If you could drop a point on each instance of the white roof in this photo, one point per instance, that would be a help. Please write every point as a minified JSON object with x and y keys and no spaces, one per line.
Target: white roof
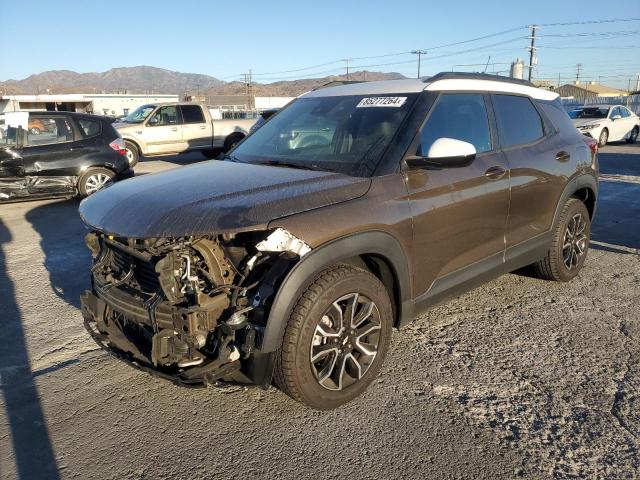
{"x":444,"y":85}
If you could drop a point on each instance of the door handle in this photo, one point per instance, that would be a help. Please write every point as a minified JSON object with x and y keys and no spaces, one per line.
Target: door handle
{"x":174,"y":129}
{"x":495,"y":173}
{"x":202,"y":127}
{"x":562,"y":156}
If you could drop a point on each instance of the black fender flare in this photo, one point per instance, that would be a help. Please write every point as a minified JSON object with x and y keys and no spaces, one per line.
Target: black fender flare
{"x":584,"y":180}
{"x":305,"y":271}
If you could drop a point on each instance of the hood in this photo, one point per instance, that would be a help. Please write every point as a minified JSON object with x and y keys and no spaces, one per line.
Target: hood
{"x":580,"y":122}
{"x":125,"y":126}
{"x":213,"y":197}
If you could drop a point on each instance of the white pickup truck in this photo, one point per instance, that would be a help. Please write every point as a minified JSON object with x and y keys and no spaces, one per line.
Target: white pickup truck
{"x":171,"y":128}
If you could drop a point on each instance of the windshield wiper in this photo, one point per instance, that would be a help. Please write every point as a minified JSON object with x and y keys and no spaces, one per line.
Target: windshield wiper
{"x":277,"y":163}
{"x":233,"y":158}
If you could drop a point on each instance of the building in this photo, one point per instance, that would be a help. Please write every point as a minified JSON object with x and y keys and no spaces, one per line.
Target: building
{"x":586,"y":92}
{"x":239,"y":102}
{"x":114,"y":105}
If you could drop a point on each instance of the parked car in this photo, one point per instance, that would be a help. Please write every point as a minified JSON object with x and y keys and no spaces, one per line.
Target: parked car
{"x":71,"y":154}
{"x":262,"y":118}
{"x":171,"y":128}
{"x":292,"y":262}
{"x":607,"y":123}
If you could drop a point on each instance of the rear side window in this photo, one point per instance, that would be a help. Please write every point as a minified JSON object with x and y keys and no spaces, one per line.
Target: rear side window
{"x":47,"y":130}
{"x":518,"y":120}
{"x":462,"y":116}
{"x":192,"y":114}
{"x":625,"y":113}
{"x":89,"y":127}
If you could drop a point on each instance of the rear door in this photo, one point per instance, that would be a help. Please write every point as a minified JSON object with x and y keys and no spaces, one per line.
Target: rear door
{"x":163,"y":131}
{"x":197,"y":132}
{"x":539,"y":161}
{"x":459,"y":213}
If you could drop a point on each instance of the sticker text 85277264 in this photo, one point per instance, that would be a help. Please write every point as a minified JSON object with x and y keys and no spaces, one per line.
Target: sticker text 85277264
{"x":382,"y":102}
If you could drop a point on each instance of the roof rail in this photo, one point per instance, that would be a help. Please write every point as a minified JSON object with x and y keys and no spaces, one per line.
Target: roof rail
{"x":335,"y":83}
{"x":475,"y":76}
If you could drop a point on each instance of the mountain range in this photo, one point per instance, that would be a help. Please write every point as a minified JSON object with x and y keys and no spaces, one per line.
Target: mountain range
{"x":146,"y":79}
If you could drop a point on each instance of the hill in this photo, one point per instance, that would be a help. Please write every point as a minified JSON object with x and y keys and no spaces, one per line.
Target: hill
{"x":145,"y":79}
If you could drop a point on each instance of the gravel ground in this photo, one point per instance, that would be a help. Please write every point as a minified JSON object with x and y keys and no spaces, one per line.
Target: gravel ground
{"x":519,"y":378}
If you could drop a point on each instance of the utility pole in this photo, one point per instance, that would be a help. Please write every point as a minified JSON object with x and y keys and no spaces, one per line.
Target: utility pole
{"x":578,"y":70}
{"x":637,"y":82}
{"x":532,"y":50}
{"x":347,"y":60}
{"x":419,"y":53}
{"x":248,"y":82}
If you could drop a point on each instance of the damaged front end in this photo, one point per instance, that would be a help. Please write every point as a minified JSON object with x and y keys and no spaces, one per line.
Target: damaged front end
{"x":190,"y":309}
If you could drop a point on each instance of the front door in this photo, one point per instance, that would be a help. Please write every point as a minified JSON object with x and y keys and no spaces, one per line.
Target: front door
{"x":197,"y":133}
{"x":163,"y":131}
{"x":459,"y":213}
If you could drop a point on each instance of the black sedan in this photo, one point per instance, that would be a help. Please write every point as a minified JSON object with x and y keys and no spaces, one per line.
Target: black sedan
{"x":58,"y":154}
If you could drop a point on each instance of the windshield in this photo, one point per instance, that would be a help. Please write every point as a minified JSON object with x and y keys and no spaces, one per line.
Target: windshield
{"x":346,"y":134}
{"x":590,"y":112}
{"x":139,"y":114}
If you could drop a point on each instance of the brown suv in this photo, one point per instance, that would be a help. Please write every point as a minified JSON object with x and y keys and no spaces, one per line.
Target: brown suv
{"x":351,"y":211}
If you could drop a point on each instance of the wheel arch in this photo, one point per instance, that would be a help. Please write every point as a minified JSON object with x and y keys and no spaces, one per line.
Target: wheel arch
{"x":583,"y":187}
{"x":135,"y":142}
{"x":379,"y":252}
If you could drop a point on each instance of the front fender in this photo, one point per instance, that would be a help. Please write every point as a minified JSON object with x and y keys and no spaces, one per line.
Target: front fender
{"x":305,"y":271}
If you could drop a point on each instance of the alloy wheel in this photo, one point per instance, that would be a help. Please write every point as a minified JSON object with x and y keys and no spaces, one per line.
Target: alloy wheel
{"x":96,"y":182}
{"x":345,"y":342}
{"x":129,"y":155}
{"x":574,"y":245}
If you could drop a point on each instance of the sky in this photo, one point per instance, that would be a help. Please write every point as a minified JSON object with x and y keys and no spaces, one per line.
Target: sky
{"x":272,"y":38}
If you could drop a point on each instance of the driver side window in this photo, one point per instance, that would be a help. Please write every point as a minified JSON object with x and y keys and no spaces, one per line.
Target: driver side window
{"x":167,"y":115}
{"x":461,"y":116}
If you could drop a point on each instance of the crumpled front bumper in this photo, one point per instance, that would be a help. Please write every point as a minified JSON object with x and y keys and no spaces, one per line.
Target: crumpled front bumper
{"x":136,"y":349}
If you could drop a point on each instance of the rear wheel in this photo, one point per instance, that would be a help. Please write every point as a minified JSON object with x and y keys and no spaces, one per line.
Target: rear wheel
{"x":633,"y":136}
{"x":336,"y":338}
{"x":95,"y":179}
{"x":133,"y":154}
{"x":569,"y":246}
{"x":604,"y":137}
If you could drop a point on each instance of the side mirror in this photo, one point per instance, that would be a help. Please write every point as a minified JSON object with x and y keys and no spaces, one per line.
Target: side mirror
{"x":153,"y":120}
{"x":444,"y":152}
{"x":616,"y":117}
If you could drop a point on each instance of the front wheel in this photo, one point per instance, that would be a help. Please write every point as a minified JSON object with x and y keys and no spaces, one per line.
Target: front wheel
{"x":604,"y":137}
{"x":336,"y":338}
{"x":232,"y":141}
{"x":133,"y":154}
{"x":633,"y":136}
{"x":94,"y":179}
{"x":569,"y":246}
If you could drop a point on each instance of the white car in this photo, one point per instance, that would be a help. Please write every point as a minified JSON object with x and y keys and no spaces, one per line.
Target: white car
{"x":606,"y":123}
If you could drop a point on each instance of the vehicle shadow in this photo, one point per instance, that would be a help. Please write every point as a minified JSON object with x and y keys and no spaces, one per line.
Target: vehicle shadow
{"x":34,"y":455}
{"x":62,"y":241}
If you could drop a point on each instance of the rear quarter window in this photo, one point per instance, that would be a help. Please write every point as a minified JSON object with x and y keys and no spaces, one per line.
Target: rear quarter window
{"x":89,"y":128}
{"x":518,"y":120}
{"x":558,"y":117}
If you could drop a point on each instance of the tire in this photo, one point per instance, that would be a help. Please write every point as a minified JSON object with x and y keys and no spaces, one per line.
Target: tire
{"x":95,"y":179}
{"x":133,"y":154}
{"x":232,"y":140}
{"x":558,"y":265}
{"x":603,"y":138}
{"x":633,"y":137}
{"x":211,"y":154}
{"x":313,"y":325}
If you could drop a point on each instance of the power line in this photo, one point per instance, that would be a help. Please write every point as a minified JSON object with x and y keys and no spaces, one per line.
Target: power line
{"x":589,"y":22}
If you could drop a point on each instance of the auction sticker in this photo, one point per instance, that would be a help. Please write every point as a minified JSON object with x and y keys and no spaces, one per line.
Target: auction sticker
{"x":382,"y":102}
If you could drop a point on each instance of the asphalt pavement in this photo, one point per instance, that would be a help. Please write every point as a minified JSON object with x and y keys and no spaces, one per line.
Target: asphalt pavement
{"x":519,"y":378}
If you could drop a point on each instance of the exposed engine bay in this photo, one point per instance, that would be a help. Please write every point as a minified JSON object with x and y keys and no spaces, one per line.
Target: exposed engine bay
{"x":191,"y":308}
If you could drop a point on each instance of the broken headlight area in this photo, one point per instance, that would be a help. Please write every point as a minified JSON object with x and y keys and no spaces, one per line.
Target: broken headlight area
{"x":192,"y":308}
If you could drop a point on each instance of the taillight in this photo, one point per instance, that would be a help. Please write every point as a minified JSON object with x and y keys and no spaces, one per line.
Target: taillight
{"x":118,"y":146}
{"x":593,"y":145}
